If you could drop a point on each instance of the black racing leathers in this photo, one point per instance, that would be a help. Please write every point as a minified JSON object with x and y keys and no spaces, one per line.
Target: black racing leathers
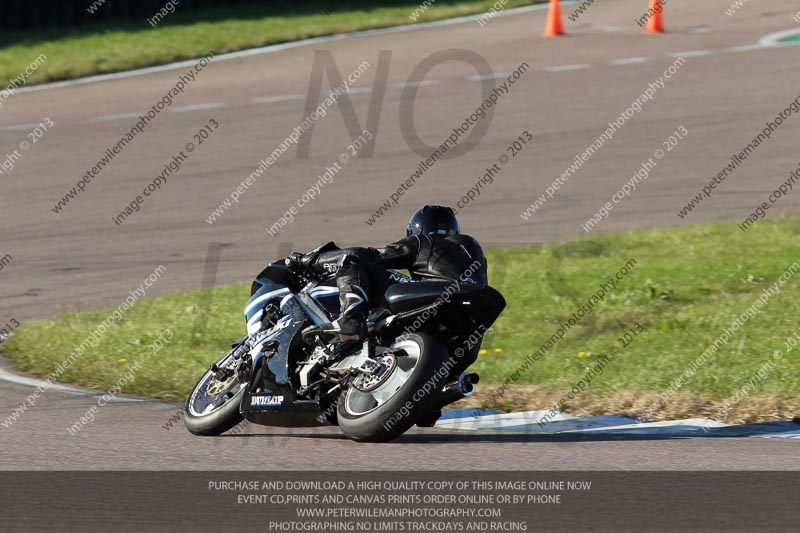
{"x":364,"y":271}
{"x":425,"y":257}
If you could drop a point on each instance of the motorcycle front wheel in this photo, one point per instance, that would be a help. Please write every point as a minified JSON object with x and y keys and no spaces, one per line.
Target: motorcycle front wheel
{"x":383,"y":410}
{"x":213,"y":405}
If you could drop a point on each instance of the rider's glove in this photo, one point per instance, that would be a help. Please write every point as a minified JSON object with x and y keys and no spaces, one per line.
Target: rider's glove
{"x":300,"y":263}
{"x":295,"y":262}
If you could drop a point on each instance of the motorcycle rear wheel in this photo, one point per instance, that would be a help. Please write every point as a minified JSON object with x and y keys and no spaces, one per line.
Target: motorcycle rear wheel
{"x":388,"y":410}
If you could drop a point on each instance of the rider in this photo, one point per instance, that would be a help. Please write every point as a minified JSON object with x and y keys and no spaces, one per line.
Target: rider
{"x":433,"y":249}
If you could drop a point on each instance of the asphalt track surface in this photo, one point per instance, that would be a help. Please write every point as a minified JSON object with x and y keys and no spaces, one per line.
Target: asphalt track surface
{"x":79,"y":258}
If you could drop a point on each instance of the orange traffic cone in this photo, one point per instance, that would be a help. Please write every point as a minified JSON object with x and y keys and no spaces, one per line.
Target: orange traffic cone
{"x":553,"y":26}
{"x":656,"y":22}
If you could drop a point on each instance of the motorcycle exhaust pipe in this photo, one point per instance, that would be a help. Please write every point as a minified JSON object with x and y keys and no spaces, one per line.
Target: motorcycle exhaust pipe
{"x":463,"y":387}
{"x":467,"y":382}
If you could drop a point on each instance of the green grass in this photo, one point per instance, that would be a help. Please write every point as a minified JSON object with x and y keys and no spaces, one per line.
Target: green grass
{"x":112,"y":47}
{"x":689,"y":284}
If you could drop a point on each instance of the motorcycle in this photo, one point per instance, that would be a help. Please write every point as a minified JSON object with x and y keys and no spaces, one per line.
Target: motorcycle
{"x":374,"y":391}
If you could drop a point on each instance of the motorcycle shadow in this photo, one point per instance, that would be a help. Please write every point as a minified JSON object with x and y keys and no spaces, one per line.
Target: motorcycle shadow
{"x":434,"y":437}
{"x":506,"y":437}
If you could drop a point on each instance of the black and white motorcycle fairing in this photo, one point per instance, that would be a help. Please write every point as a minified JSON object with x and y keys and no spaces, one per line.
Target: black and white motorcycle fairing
{"x":373,"y":391}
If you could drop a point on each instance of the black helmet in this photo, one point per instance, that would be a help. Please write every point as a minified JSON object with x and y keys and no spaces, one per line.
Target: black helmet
{"x":433,"y":220}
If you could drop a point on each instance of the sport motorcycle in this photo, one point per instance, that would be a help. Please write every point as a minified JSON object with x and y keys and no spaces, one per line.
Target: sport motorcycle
{"x":399,"y":376}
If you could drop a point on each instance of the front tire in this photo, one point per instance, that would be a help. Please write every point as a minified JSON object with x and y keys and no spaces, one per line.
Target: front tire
{"x":407,"y":394}
{"x":213,"y":405}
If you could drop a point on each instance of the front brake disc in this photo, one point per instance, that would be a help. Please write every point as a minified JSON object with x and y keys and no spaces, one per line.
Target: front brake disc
{"x":216,"y":386}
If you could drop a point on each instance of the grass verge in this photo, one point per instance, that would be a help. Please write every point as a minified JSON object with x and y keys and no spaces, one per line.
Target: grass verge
{"x":113,"y":46}
{"x":688,"y":285}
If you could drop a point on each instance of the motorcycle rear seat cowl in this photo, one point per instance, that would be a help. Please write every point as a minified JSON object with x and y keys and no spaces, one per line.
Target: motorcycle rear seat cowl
{"x":407,"y":296}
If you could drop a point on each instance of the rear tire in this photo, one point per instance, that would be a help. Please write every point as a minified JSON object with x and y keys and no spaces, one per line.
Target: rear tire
{"x":362,"y":421}
{"x":206,"y":419}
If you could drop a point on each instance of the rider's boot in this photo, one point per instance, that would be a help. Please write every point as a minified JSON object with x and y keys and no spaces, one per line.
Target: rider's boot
{"x":350,"y":327}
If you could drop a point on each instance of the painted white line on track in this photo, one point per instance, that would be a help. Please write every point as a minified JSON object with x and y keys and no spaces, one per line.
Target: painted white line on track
{"x":279,"y":98}
{"x":567,"y":68}
{"x":770,"y":41}
{"x":422,"y":83}
{"x":356,"y":90}
{"x":41,"y":383}
{"x":744,"y":48}
{"x":629,"y":60}
{"x":196,"y":107}
{"x":693,"y":53}
{"x":281,"y":46}
{"x":621,"y":425}
{"x":495,"y":75}
{"x":774,"y":39}
{"x":135,"y":114}
{"x":19,"y":127}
